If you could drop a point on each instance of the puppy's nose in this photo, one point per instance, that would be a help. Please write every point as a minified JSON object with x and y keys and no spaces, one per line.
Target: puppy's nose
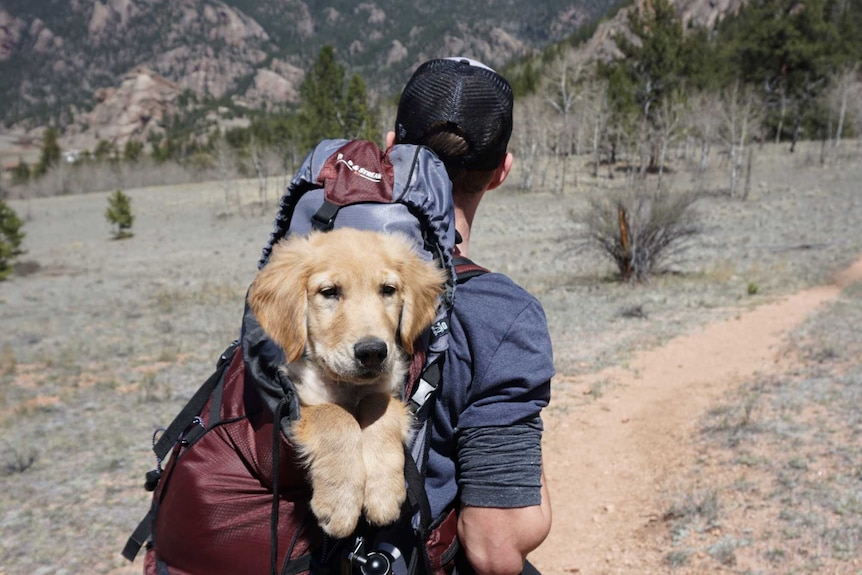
{"x":370,"y":352}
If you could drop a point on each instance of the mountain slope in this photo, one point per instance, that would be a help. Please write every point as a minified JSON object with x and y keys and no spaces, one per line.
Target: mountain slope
{"x":55,"y":55}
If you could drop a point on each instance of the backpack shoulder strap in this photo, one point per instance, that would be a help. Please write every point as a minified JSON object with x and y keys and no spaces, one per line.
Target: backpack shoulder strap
{"x":465,"y":269}
{"x":169,"y":438}
{"x":193,"y":408}
{"x":423,"y":389}
{"x":420,"y":390}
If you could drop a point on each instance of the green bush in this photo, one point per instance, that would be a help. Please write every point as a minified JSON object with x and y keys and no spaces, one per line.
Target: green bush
{"x":11,"y":237}
{"x":21,"y":173}
{"x":119,"y":213}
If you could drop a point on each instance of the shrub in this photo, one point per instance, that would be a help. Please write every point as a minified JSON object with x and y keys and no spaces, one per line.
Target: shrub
{"x":21,"y":173}
{"x":639,"y":229}
{"x":11,"y":237}
{"x":693,"y":512}
{"x":18,"y":460}
{"x":119,"y":213}
{"x":8,"y":362}
{"x":154,"y":390}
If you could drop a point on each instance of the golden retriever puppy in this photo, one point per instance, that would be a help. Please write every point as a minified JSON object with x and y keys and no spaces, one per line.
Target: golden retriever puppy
{"x":346,"y":307}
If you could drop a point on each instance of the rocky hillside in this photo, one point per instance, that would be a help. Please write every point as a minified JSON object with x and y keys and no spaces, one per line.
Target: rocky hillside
{"x":59,"y":60}
{"x":693,"y":13}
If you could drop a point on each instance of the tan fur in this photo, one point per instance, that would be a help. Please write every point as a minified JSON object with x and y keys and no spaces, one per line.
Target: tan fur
{"x":318,"y":297}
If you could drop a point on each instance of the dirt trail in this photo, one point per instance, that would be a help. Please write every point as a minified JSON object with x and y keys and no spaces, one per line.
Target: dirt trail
{"x":608,"y":461}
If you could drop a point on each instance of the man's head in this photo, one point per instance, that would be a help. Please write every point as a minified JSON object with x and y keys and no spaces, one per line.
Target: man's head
{"x":459,"y":108}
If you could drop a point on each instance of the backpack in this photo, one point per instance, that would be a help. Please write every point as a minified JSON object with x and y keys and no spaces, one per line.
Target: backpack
{"x":227,"y":449}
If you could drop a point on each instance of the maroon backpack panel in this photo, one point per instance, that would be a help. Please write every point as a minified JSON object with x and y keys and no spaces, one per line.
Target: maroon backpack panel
{"x":215,"y":498}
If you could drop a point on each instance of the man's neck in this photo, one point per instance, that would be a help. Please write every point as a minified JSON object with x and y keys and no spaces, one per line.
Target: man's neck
{"x":464,"y":213}
{"x":463,"y":247}
{"x":466,"y":206}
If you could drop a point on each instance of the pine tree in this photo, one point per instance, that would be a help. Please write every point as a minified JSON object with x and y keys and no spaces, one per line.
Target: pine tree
{"x":650,"y":72}
{"x":132,"y":151}
{"x":787,"y":49}
{"x":847,"y":17}
{"x":321,"y":100}
{"x":11,"y":237}
{"x":105,"y":150}
{"x":524,"y":81}
{"x":119,"y":213}
{"x":50,"y":152}
{"x":330,"y":106}
{"x":704,"y":68}
{"x":21,"y":172}
{"x":359,"y":120}
{"x":653,"y":65}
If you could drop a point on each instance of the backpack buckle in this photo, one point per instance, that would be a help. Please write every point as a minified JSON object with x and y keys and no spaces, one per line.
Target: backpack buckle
{"x":324,"y":219}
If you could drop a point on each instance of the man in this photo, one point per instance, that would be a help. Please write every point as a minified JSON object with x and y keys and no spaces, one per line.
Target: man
{"x":486,"y":435}
{"x":216,"y":512}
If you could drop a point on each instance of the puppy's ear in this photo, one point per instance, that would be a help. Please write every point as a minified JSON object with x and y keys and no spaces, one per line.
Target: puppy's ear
{"x":278,"y":296}
{"x":423,"y":283}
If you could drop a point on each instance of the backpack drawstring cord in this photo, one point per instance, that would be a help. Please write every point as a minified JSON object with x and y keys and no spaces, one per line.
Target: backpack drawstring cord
{"x":273,"y":518}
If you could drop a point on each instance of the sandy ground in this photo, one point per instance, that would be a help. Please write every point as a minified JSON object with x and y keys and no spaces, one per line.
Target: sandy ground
{"x":626,"y":447}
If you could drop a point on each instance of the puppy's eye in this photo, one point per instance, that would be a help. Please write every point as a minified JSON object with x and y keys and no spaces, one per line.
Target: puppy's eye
{"x":330,"y":292}
{"x":388,"y":290}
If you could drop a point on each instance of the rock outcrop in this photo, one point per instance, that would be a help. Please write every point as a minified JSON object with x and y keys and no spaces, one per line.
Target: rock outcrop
{"x":131,"y":111}
{"x":11,"y":32}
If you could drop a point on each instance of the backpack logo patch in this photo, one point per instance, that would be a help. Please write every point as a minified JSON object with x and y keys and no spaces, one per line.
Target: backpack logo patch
{"x":359,"y":170}
{"x":440,"y":328}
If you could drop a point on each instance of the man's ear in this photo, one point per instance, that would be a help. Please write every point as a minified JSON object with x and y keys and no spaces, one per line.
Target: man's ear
{"x":390,"y":139}
{"x":502,"y":171}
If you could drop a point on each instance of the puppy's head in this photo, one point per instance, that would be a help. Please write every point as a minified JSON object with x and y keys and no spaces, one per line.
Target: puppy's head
{"x":346,"y":299}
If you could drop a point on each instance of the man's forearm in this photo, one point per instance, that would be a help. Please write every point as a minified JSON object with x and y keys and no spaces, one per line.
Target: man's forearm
{"x":497,"y":540}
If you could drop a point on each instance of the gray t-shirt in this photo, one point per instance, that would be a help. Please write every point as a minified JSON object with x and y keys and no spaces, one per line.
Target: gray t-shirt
{"x":485,"y":447}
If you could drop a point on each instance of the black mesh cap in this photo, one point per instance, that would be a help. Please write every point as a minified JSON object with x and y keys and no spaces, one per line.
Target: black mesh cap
{"x":464,"y":97}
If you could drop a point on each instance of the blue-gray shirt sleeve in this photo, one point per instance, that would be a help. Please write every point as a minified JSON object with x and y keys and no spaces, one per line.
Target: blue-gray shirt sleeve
{"x":512,"y":360}
{"x":499,"y":427}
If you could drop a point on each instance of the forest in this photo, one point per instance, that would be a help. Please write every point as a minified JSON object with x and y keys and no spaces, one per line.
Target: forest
{"x":778,"y":71}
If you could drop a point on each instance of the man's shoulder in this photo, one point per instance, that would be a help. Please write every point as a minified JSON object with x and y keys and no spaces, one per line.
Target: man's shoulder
{"x":494,"y":285}
{"x":493,"y":301}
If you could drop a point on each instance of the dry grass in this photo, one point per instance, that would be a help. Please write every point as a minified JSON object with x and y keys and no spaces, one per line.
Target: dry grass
{"x":787,"y":452}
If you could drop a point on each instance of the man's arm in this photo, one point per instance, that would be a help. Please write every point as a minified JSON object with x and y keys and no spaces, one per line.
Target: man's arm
{"x":497,"y":540}
{"x":505,"y":509}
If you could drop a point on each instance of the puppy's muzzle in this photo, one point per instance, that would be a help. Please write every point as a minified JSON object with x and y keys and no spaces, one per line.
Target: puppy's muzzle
{"x":370,"y":353}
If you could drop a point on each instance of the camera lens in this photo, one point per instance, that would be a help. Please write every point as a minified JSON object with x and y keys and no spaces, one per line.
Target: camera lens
{"x":376,"y":564}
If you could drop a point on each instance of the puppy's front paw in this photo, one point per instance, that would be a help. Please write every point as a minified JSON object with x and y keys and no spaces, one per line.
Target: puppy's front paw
{"x":385,"y":424}
{"x":328,"y":439}
{"x":337,"y":507}
{"x":384,"y":495}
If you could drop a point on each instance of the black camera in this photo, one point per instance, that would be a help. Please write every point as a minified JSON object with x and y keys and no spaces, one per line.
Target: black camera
{"x":386,"y":559}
